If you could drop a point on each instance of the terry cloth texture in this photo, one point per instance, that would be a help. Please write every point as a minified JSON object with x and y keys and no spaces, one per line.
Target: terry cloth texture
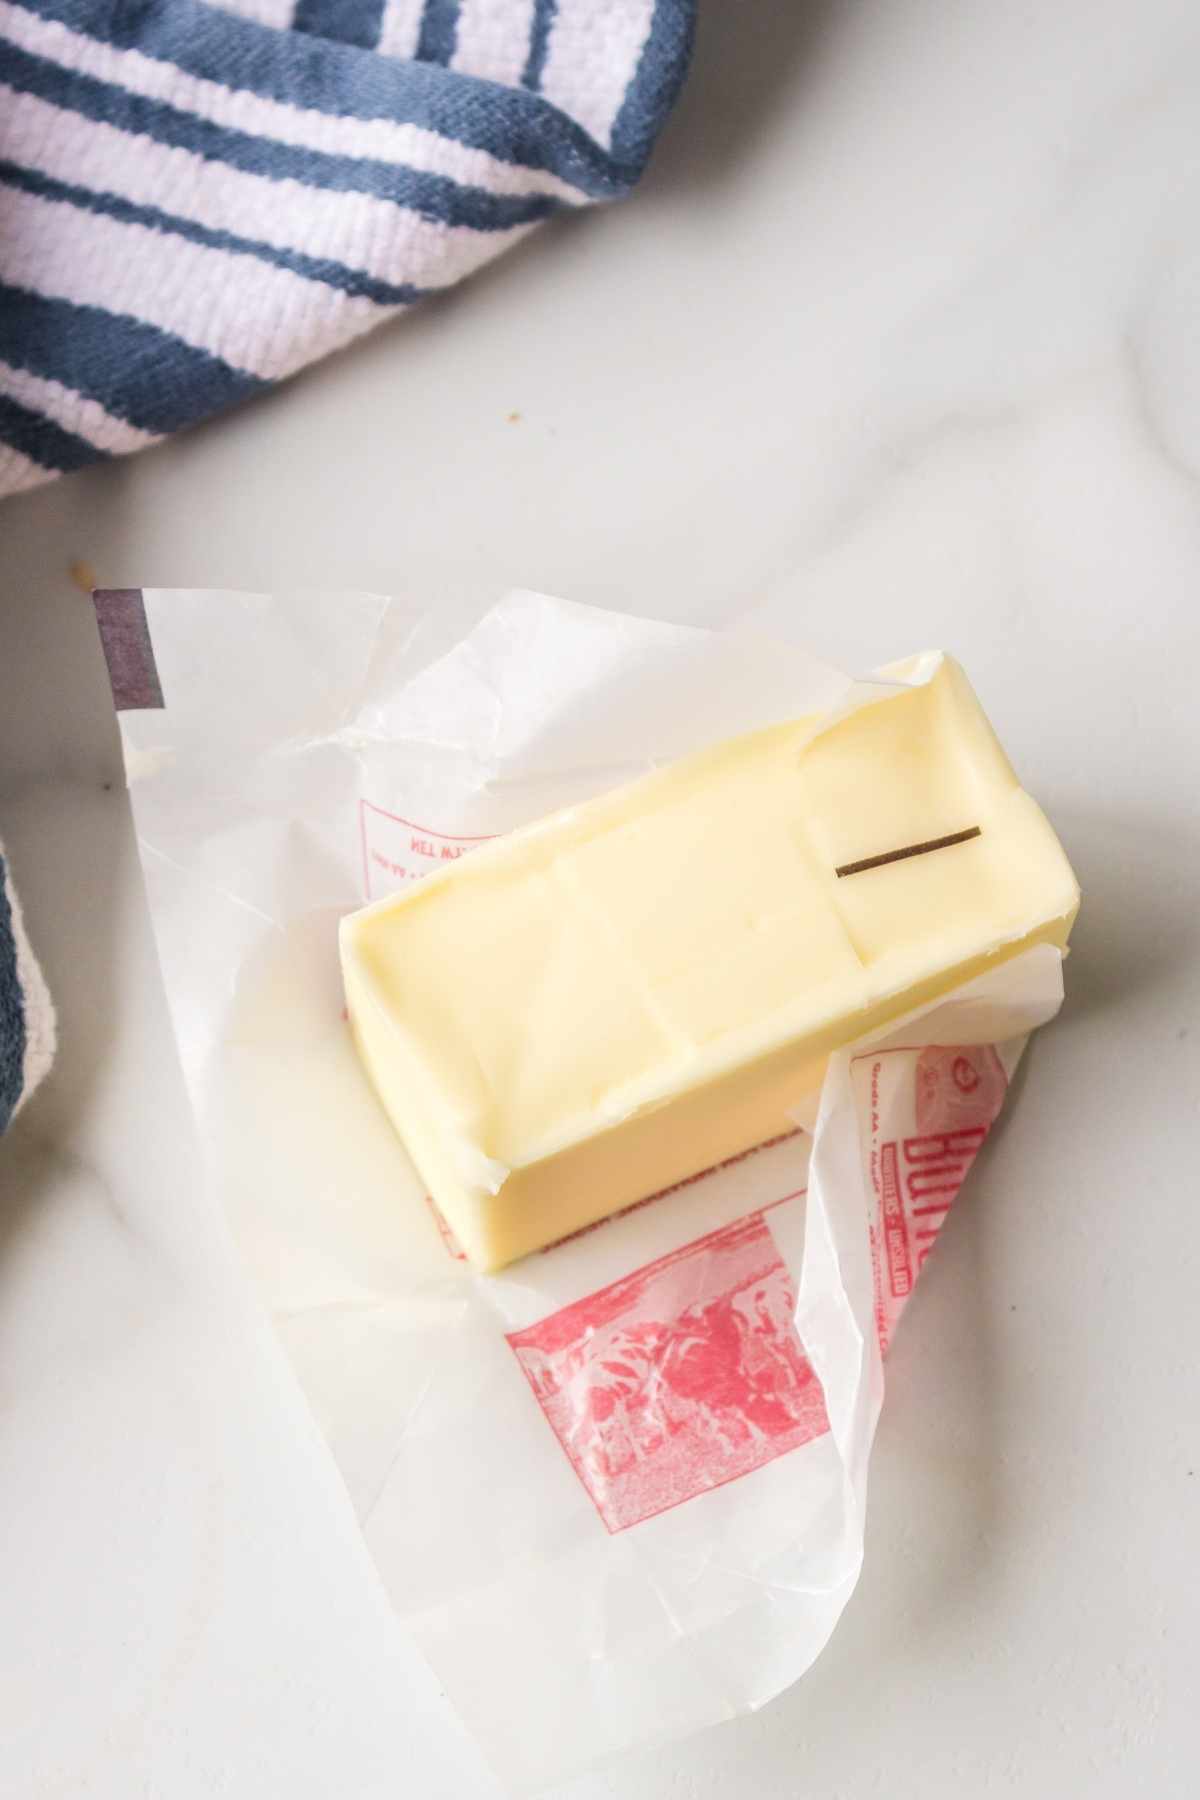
{"x":195,"y":201}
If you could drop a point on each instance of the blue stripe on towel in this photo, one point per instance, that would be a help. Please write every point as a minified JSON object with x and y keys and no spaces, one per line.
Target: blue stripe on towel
{"x":135,"y":371}
{"x":344,"y":21}
{"x":539,"y":38}
{"x":655,"y":84}
{"x":41,"y":440}
{"x":439,"y":32}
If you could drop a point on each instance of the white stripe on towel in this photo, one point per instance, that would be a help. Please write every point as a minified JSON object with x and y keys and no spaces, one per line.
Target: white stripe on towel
{"x":19,"y":472}
{"x":400,"y":27}
{"x":410,"y":146}
{"x":73,"y":411}
{"x":591,"y":58}
{"x":258,"y":318}
{"x":493,"y":40}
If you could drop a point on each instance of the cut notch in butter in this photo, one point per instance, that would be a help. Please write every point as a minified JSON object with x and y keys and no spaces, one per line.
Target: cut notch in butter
{"x":632,"y":990}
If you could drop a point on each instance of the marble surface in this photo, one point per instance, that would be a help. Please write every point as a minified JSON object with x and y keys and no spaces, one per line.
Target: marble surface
{"x":898,"y":340}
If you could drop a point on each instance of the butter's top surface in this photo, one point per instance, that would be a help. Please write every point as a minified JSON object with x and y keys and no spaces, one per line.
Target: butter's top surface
{"x":617,"y":952}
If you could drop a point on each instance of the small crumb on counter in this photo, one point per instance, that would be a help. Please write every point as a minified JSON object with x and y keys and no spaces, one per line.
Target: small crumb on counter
{"x":83,"y":575}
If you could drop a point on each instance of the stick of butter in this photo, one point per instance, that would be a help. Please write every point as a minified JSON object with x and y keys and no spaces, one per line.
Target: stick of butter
{"x":632,"y":990}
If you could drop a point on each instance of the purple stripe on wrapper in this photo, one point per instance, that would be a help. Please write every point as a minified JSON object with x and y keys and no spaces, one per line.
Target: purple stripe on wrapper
{"x":125,"y":636}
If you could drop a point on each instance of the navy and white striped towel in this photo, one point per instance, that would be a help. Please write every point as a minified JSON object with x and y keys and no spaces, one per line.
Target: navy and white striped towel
{"x":196,"y":201}
{"x":26,"y":1015}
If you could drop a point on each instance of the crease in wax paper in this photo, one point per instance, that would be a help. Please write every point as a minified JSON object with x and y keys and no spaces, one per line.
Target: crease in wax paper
{"x":617,"y":1492}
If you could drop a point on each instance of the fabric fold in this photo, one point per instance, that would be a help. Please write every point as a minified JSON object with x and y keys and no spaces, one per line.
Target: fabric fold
{"x":27,"y":1025}
{"x":235,"y":192}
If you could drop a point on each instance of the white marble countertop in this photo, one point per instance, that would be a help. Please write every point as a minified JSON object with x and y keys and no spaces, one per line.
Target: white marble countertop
{"x":899,"y":339}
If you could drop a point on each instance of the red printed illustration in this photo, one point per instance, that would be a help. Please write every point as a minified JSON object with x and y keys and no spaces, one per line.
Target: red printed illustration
{"x":678,"y":1378}
{"x":923,"y":1115}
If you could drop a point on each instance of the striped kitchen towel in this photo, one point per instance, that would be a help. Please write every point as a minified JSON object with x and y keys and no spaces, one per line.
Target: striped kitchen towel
{"x":196,"y":201}
{"x":26,"y":1015}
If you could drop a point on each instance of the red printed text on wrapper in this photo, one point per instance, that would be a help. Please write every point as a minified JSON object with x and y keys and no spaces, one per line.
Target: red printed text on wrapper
{"x":397,"y":851}
{"x":923,"y":1115}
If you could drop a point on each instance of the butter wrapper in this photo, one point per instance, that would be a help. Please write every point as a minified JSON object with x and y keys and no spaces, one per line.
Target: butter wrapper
{"x":616,"y":1493}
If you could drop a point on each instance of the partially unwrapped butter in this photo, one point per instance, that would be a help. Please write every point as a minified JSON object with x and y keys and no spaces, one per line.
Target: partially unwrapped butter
{"x":632,"y":990}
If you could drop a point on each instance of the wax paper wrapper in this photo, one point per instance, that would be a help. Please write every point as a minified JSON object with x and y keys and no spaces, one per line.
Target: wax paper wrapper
{"x":616,"y":1492}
